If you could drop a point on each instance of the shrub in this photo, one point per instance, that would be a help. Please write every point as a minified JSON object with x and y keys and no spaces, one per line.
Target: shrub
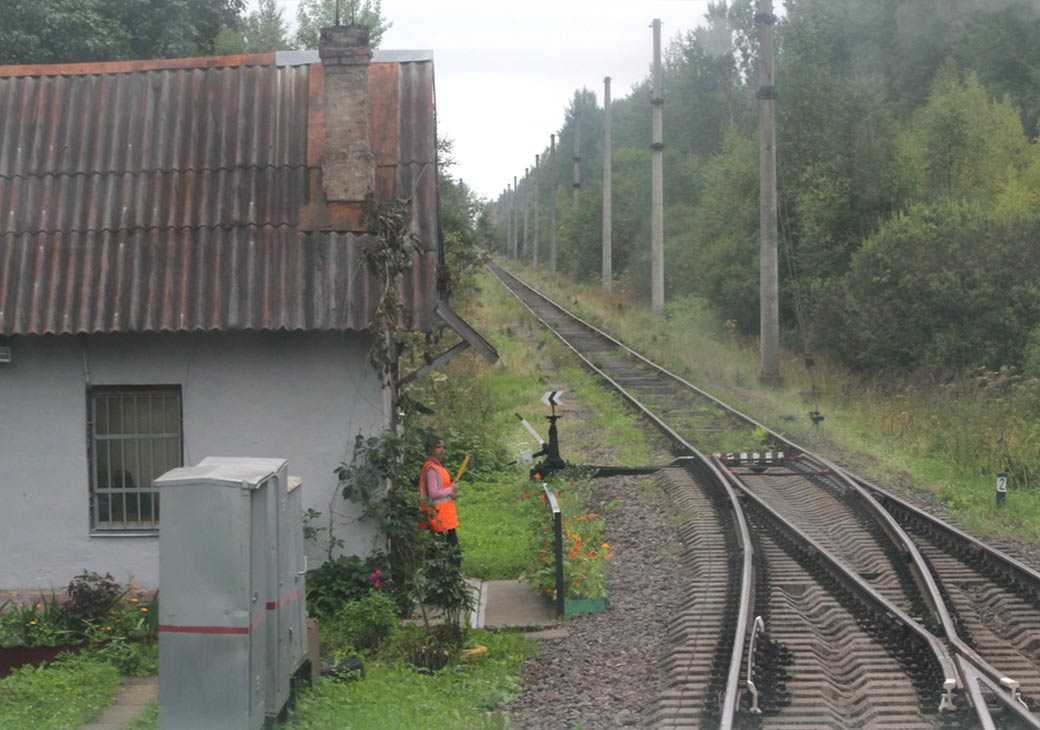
{"x":943,"y":286}
{"x":363,"y":624}
{"x":42,"y":623}
{"x":92,"y":597}
{"x":337,"y":582}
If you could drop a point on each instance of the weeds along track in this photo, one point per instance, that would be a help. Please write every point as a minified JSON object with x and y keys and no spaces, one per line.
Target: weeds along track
{"x":877,"y":615}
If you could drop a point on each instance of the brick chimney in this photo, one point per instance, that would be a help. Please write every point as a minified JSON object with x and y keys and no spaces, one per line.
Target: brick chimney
{"x":347,"y":162}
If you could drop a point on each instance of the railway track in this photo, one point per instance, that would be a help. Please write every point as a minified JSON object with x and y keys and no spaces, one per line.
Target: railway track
{"x":854,"y":608}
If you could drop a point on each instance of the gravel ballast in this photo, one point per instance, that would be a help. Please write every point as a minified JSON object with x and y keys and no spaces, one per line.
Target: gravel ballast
{"x":605,"y":673}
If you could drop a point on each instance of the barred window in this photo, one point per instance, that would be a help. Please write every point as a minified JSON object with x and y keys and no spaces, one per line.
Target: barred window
{"x":135,"y":435}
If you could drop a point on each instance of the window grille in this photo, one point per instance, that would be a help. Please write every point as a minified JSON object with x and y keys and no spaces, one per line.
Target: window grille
{"x":136,"y":434}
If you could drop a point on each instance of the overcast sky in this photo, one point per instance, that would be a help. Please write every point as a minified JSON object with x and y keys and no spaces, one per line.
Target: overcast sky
{"x":506,"y":71}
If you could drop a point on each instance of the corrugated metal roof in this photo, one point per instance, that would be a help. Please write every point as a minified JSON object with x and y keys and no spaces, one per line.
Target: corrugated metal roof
{"x":167,"y":195}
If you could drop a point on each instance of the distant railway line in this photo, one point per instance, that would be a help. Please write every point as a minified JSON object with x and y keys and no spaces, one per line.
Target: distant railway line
{"x":815,"y":598}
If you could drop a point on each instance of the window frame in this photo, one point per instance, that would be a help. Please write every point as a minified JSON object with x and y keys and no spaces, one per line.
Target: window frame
{"x":108,"y":529}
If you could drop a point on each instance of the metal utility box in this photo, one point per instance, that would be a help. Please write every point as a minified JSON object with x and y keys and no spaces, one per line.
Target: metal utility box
{"x":217,"y":581}
{"x":292,"y":610}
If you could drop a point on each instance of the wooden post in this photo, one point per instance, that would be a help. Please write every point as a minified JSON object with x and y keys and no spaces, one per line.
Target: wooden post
{"x":657,"y":179}
{"x":577,"y":149}
{"x":552,"y":205}
{"x":534,"y":251}
{"x":769,"y":311}
{"x":608,"y":156}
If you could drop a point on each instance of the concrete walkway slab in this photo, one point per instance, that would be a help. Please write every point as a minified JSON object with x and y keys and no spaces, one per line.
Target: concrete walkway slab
{"x":514,"y":604}
{"x":133,"y":697}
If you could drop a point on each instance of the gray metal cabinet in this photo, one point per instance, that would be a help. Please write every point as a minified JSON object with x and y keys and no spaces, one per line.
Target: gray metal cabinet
{"x":218,"y":580}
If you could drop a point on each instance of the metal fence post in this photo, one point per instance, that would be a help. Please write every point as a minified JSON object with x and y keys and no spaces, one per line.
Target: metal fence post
{"x":557,"y":548}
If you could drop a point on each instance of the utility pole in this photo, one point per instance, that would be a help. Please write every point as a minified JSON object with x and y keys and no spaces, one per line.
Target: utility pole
{"x":509,"y":221}
{"x":769,"y":311}
{"x":526,"y":248}
{"x":537,"y":166}
{"x":516,"y":219}
{"x":608,"y":156}
{"x":657,"y":179}
{"x":577,"y":149}
{"x":552,"y":205}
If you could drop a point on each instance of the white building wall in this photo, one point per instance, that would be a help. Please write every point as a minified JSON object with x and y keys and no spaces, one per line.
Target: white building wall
{"x":299,"y":396}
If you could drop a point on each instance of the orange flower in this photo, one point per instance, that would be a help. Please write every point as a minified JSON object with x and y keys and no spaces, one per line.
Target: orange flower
{"x":143,"y":609}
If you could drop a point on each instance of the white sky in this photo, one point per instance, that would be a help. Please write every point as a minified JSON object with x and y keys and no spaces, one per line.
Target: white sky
{"x":506,"y":71}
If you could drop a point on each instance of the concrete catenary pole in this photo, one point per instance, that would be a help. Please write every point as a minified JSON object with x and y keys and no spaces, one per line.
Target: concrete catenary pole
{"x":537,"y":208}
{"x":552,"y":204}
{"x":657,"y":179}
{"x":510,"y":204}
{"x":525,"y":250}
{"x":577,"y":150}
{"x":769,"y":311}
{"x":516,"y":219}
{"x":608,"y":193}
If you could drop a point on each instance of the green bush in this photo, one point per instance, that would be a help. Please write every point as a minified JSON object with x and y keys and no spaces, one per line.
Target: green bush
{"x":337,"y":582}
{"x":1031,"y":359}
{"x":92,"y":597}
{"x":362,"y":624}
{"x":940,"y":287}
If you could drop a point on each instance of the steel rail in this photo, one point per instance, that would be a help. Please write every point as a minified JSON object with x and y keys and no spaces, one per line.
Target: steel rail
{"x":946,"y":662}
{"x":868,"y":491}
{"x":745,"y":620}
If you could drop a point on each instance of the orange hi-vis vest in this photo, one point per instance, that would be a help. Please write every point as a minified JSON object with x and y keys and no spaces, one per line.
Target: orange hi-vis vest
{"x":439,"y":511}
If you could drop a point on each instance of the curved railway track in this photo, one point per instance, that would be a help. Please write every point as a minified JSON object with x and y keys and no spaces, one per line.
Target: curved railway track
{"x":847,"y":606}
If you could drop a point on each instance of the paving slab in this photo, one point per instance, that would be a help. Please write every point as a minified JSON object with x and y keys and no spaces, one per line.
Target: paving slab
{"x":131,"y":700}
{"x":514,"y":604}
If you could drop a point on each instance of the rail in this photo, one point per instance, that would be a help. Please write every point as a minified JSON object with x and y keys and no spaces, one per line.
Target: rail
{"x":711,"y":474}
{"x":879,"y":501}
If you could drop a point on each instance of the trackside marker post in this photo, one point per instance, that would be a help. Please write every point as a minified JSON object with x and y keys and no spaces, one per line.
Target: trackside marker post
{"x":1001,"y":489}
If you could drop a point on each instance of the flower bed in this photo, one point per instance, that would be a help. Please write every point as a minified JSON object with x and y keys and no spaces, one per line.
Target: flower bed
{"x":94,"y":612}
{"x":585,"y":554}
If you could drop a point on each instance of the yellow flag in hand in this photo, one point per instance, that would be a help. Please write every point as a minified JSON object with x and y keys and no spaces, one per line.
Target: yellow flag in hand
{"x":462,"y":469}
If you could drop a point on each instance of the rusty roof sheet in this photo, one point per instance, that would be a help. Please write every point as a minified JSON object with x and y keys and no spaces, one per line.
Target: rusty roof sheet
{"x":167,"y":195}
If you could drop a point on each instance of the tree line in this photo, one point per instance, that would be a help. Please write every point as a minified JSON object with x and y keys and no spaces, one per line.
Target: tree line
{"x":71,"y":31}
{"x":909,"y":179}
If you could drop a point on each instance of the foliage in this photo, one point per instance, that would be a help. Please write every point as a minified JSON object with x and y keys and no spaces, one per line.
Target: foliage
{"x":395,"y":695}
{"x":362,"y":624}
{"x":260,"y":31}
{"x":66,"y":693}
{"x":63,"y":31}
{"x":585,"y":552}
{"x":942,"y":287}
{"x":313,"y":15}
{"x":41,"y":623}
{"x":339,"y":581}
{"x":92,"y":596}
{"x":885,"y":109}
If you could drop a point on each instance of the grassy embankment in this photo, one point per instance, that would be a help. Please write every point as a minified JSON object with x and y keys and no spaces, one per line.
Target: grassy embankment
{"x":497,"y":522}
{"x":948,"y":440}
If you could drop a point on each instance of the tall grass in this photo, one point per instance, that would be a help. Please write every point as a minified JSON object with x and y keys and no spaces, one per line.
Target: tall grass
{"x":950,"y":437}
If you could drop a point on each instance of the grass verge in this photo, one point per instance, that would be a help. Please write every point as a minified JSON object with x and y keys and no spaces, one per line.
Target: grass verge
{"x":947,"y":438}
{"x":394,"y":696}
{"x":64,"y":694}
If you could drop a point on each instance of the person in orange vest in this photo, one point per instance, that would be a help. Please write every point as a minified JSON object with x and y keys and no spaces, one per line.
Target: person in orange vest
{"x":437,"y":493}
